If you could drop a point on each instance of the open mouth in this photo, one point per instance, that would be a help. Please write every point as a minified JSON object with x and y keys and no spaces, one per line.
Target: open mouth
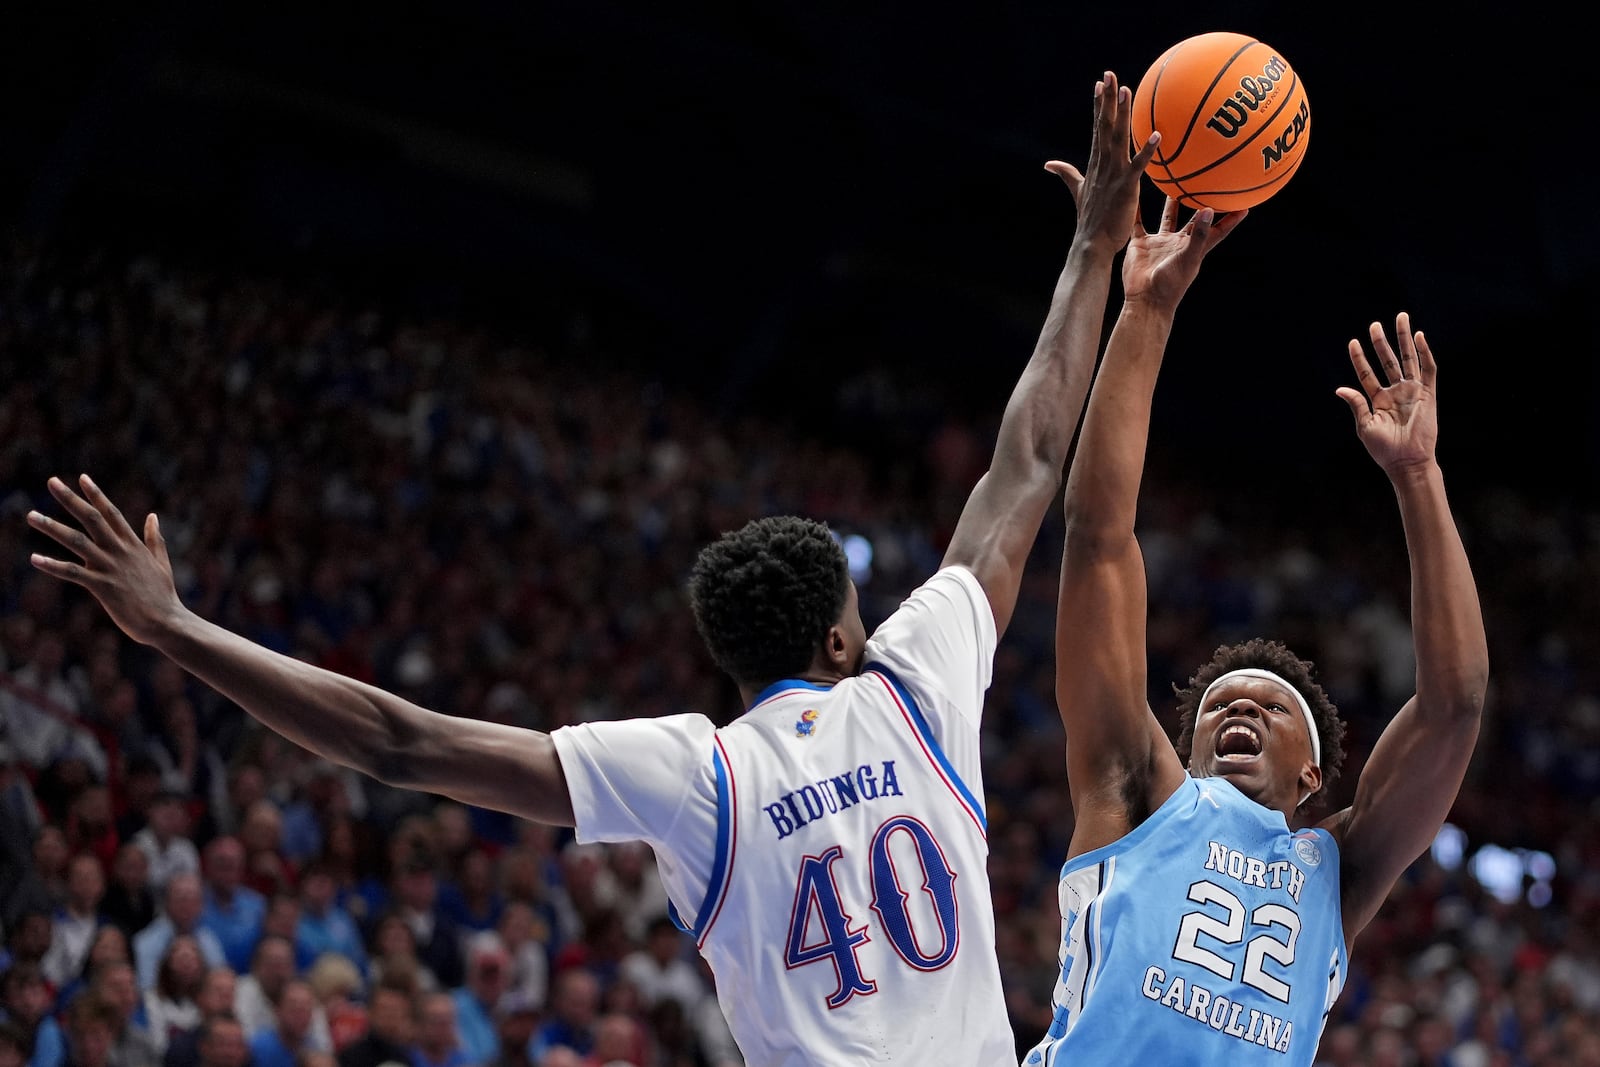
{"x":1238,"y":743}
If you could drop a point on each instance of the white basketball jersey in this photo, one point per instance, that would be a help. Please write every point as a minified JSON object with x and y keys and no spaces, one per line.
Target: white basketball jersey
{"x":845,"y":905}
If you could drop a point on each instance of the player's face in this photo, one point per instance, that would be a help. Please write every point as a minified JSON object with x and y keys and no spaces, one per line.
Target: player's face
{"x":1252,"y":733}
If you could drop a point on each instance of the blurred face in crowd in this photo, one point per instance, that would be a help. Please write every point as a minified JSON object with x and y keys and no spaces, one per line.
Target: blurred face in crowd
{"x":86,"y":883}
{"x":117,"y":986}
{"x":27,"y":998}
{"x":283,"y":915}
{"x":91,"y":1041}
{"x":274,"y":965}
{"x":216,"y":992}
{"x":389,"y":1016}
{"x":31,"y":939}
{"x":394,"y":938}
{"x":223,"y":1045}
{"x":109,"y":944}
{"x":185,"y":901}
{"x":417,"y":889}
{"x":477,"y":873}
{"x":437,"y":1032}
{"x":489,"y":974}
{"x":577,"y":998}
{"x":185,"y":963}
{"x":262,"y":830}
{"x":616,"y":1037}
{"x":50,"y":852}
{"x":132,"y":868}
{"x":11,"y":1053}
{"x":316,"y":892}
{"x":295,"y":1009}
{"x":169,"y":818}
{"x":225,"y":865}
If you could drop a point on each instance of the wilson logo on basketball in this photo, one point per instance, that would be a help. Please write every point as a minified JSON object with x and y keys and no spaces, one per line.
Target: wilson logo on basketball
{"x":1253,"y":91}
{"x":1275,"y":151}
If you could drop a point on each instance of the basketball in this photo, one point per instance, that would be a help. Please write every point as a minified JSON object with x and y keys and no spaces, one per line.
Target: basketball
{"x":1233,"y":118}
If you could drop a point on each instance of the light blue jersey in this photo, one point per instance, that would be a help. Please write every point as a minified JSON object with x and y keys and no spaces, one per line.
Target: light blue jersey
{"x":1210,"y":934}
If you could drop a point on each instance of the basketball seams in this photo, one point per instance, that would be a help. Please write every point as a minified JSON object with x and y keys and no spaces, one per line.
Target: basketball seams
{"x":1205,"y":97}
{"x":1266,"y":125}
{"x":1276,"y":180}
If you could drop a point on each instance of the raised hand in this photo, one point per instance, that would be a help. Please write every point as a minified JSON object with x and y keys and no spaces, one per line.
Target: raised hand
{"x":1398,"y":422}
{"x":130,"y":576}
{"x":1160,"y":266}
{"x":1107,"y":194}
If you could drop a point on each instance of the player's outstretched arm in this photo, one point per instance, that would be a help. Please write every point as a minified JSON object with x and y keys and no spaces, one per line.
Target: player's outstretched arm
{"x":343,"y":720}
{"x":1001,"y":519}
{"x":1409,"y":783}
{"x":1120,"y":764}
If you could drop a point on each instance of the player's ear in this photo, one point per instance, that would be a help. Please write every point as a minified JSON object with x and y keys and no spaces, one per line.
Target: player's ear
{"x":1310,"y":778}
{"x":837,"y":647}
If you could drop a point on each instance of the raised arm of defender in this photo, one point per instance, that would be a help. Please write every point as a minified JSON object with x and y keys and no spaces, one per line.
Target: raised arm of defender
{"x":1120,"y":763}
{"x":343,"y":720}
{"x":1410,"y":781}
{"x":1001,"y":519}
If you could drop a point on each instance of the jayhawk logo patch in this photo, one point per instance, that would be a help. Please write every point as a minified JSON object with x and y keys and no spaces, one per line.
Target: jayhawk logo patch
{"x":807,"y":724}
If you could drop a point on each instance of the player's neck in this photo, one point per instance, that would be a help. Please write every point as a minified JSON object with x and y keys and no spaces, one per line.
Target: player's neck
{"x":827,"y":676}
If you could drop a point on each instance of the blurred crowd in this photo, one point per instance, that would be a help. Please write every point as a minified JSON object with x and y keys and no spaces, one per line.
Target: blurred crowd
{"x":501,"y":530}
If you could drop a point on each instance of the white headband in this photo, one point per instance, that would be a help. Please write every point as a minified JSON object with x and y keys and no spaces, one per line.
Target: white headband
{"x":1265,"y":675}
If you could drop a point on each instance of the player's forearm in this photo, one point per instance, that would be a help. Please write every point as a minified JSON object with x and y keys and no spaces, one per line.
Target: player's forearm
{"x":1103,"y":489}
{"x":1447,"y":622}
{"x":1043,"y":412}
{"x":343,"y":720}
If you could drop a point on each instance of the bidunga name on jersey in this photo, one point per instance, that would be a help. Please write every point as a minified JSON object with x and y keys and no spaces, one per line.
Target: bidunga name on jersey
{"x":1209,"y":934}
{"x":850,"y":889}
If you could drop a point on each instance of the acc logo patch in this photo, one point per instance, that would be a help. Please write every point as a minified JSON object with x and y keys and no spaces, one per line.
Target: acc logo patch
{"x":1308,"y":851}
{"x":807,"y":724}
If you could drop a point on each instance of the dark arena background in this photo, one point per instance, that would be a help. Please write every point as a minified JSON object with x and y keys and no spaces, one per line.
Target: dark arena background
{"x":442,"y":336}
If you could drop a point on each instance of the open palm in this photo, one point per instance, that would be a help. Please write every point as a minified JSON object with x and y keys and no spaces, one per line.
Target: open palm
{"x":1398,"y":421}
{"x":1160,"y":266}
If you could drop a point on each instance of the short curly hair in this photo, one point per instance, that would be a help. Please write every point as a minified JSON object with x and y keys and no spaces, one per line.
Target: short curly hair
{"x":1273,"y":656}
{"x":764,"y":596}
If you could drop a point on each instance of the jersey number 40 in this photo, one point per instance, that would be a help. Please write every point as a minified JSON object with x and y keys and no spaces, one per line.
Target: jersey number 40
{"x":821,"y":929}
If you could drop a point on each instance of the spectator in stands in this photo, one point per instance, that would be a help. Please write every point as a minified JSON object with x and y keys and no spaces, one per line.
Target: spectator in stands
{"x":394,"y":956}
{"x":91,"y":1033}
{"x":324,"y":926}
{"x":662,"y":971}
{"x":90,"y":826}
{"x":389,"y":1031}
{"x":337,"y":984}
{"x":141,"y":785}
{"x":28,"y":939}
{"x":292,"y":1034}
{"x":14,"y":1045}
{"x":516,"y":1020}
{"x":520,"y":931}
{"x":171,"y":1006}
{"x":74,"y":925}
{"x":256,"y":997}
{"x":214,"y":1001}
{"x":488,"y":978}
{"x":25,"y":1003}
{"x":233,"y":911}
{"x":471,"y":900}
{"x":110,"y":945}
{"x":574,"y":1005}
{"x":114,"y":984}
{"x":638,"y":893}
{"x":438,"y":1044}
{"x":221,"y":1043}
{"x":165,"y":839}
{"x":438,"y":944}
{"x":618,"y":1039}
{"x":183,"y":904}
{"x":129,"y":902}
{"x":267,"y":870}
{"x":51,"y":855}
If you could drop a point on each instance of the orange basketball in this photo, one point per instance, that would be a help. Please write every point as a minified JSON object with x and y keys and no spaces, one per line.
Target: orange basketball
{"x":1233,"y":117}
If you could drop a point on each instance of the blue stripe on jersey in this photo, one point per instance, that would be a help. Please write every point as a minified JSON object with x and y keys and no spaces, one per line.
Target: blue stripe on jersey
{"x":785,"y":684}
{"x":719,"y":863}
{"x":933,"y":745}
